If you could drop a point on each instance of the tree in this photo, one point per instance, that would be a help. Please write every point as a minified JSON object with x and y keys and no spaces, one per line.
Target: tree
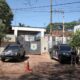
{"x":5,"y":13}
{"x":75,"y":40}
{"x":55,"y":26}
{"x":21,"y":25}
{"x":2,"y":32}
{"x":70,"y":25}
{"x":6,"y":17}
{"x":59,"y":26}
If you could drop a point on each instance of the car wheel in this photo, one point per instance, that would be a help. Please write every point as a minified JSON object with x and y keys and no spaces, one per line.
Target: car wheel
{"x":60,"y":59}
{"x":3,"y":59}
{"x":18,"y":57}
{"x":77,"y":60}
{"x":51,"y":55}
{"x":23,"y":56}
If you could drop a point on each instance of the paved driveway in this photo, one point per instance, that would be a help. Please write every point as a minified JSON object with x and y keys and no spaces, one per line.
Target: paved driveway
{"x":19,"y":68}
{"x":43,"y":68}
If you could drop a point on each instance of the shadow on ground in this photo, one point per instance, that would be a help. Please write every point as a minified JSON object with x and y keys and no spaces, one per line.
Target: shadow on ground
{"x":49,"y":71}
{"x":17,"y":60}
{"x":4,"y":78}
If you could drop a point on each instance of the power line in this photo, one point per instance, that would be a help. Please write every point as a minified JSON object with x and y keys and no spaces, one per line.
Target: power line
{"x":72,"y":12}
{"x":55,"y":11}
{"x":69,"y":3}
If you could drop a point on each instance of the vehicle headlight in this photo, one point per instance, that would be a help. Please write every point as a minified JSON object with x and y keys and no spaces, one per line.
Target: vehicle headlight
{"x":8,"y":52}
{"x":64,"y":53}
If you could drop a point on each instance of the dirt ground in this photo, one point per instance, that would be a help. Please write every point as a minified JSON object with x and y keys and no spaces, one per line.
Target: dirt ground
{"x":42,"y":68}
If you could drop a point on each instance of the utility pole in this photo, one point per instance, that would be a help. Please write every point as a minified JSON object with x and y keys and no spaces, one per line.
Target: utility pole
{"x":51,"y":11}
{"x":63,"y":27}
{"x":63,"y":31}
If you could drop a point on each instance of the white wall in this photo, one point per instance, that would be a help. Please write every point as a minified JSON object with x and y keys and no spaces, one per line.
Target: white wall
{"x":10,"y":38}
{"x":29,"y":37}
{"x":63,"y":40}
{"x":44,"y":45}
{"x":50,"y":42}
{"x":76,"y":28}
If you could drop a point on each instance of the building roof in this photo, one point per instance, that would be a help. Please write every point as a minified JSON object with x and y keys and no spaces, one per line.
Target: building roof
{"x":28,"y":28}
{"x":59,"y":33}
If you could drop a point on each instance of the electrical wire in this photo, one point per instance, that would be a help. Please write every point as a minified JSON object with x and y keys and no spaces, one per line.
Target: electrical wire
{"x":72,"y":11}
{"x":55,"y":11}
{"x":69,"y":3}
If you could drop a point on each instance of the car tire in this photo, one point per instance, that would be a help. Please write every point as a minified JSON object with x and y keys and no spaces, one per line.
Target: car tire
{"x":23,"y":56}
{"x":51,"y":55}
{"x":18,"y":57}
{"x":60,"y":59}
{"x":77,"y":60}
{"x":3,"y":59}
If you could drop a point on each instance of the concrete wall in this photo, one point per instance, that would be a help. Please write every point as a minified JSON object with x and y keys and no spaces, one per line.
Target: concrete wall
{"x":44,"y":45}
{"x":60,"y":40}
{"x":9,"y":38}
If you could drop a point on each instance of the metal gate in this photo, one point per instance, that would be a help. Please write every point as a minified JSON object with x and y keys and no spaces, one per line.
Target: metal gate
{"x":31,"y":47}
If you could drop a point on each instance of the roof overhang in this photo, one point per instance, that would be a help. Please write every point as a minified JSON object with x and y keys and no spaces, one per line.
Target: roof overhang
{"x":29,"y":29}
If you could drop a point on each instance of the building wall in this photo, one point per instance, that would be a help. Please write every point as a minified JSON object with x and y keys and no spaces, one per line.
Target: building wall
{"x":10,"y":38}
{"x":76,"y":28}
{"x":44,"y":45}
{"x":28,"y":37}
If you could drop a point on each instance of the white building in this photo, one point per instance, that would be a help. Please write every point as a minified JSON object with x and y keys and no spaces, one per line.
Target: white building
{"x":76,"y":28}
{"x":30,"y":33}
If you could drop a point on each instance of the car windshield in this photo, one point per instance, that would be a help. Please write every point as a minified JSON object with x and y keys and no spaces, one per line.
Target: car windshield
{"x":12,"y":47}
{"x":65,"y":48}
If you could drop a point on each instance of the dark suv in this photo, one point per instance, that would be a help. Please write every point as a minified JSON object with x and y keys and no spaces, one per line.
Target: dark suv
{"x":64,"y":53}
{"x":13,"y":51}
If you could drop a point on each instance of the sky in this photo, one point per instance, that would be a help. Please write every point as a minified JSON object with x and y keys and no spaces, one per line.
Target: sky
{"x":36,"y":13}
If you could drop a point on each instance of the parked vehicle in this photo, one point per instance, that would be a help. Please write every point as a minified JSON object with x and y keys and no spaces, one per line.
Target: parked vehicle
{"x":53,"y":52}
{"x":64,"y":54}
{"x":13,"y":51}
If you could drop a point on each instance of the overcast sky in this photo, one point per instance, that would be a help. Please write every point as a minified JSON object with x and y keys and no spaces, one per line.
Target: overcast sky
{"x":36,"y":13}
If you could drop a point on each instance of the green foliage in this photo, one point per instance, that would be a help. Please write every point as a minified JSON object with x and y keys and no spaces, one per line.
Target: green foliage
{"x":70,"y":25}
{"x":21,"y":25}
{"x":6,"y":17}
{"x":5,"y":13}
{"x":2,"y":30}
{"x":54,"y":26}
{"x":59,"y":26}
{"x":75,"y":41}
